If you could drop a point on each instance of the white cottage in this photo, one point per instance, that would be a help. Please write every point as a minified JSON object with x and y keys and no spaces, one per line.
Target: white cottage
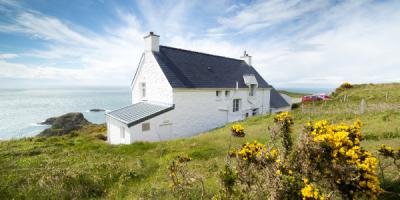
{"x":180,"y":93}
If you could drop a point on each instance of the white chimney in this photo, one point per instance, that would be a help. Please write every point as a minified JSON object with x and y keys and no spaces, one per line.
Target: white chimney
{"x":246,"y":58}
{"x":152,"y":42}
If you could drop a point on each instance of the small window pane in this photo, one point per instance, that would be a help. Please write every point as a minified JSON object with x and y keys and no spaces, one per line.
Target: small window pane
{"x":143,"y":85}
{"x":236,"y":105}
{"x":252,"y":90}
{"x":218,"y":93}
{"x":227,"y":93}
{"x":145,"y":126}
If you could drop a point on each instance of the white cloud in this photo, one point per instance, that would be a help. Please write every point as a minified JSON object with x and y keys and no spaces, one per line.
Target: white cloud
{"x":8,"y":56}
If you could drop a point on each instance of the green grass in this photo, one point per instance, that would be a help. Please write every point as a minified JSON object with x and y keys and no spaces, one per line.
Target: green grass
{"x":82,"y":166}
{"x":293,"y":94}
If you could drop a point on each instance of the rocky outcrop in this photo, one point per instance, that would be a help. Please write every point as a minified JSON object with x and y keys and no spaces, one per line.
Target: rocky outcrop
{"x":49,"y":121}
{"x":64,"y":124}
{"x":97,"y":110}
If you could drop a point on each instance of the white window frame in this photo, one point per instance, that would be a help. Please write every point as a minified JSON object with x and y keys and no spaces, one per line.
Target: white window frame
{"x":236,"y":105}
{"x":143,"y":89}
{"x":252,"y":91}
{"x":122,"y":132}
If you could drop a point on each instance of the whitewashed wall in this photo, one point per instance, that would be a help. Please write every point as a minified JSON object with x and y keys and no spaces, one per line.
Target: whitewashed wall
{"x":198,"y":111}
{"x":195,"y":111}
{"x":114,"y":132}
{"x":158,"y":88}
{"x":161,"y":128}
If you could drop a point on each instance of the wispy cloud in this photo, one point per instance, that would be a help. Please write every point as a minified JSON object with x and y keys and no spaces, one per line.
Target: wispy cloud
{"x":96,"y":56}
{"x":264,"y":14}
{"x":8,"y":56}
{"x":320,"y":43}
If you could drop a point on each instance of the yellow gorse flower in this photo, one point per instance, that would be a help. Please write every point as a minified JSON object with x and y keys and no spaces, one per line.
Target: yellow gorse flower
{"x":311,"y":192}
{"x":237,"y":130}
{"x":343,"y":143}
{"x":283,"y":117}
{"x":250,"y":151}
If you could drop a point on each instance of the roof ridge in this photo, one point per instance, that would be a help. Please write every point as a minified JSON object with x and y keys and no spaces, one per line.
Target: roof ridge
{"x":208,"y":54}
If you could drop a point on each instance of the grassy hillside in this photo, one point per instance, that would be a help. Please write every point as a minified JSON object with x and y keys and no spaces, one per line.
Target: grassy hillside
{"x":80,"y":165}
{"x":293,"y":94}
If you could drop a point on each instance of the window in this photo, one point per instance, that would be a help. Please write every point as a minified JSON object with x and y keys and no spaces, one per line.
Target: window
{"x":143,"y":87}
{"x":218,"y":93}
{"x":145,"y":126}
{"x":227,"y":93}
{"x":252,"y":90}
{"x":236,"y":105}
{"x":255,"y":111}
{"x":122,"y":132}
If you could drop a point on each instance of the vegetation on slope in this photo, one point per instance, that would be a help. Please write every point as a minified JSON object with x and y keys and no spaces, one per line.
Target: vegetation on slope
{"x":80,"y":165}
{"x":293,"y":94}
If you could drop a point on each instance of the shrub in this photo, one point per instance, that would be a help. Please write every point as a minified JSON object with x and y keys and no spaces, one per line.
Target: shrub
{"x":295,"y":106}
{"x":237,"y":130}
{"x":327,"y":162}
{"x":182,"y":180}
{"x":346,"y":85}
{"x":342,"y":88}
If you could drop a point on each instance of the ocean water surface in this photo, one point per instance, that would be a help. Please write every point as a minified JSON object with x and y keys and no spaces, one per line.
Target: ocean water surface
{"x":22,"y":109}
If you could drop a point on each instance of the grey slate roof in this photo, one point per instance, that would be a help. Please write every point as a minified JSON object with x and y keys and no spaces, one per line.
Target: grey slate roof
{"x":139,"y":112}
{"x":276,"y":100}
{"x":189,"y":69}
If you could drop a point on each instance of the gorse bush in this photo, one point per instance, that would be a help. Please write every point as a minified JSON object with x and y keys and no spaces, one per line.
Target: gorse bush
{"x":326,"y":162}
{"x":237,"y":130}
{"x":389,"y":152}
{"x":333,"y":155}
{"x":346,"y":85}
{"x":343,"y":87}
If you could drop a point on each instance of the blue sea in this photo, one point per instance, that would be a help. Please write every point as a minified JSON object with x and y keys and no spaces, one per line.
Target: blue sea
{"x":22,"y":109}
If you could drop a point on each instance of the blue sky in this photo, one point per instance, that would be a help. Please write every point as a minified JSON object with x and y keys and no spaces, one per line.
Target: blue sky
{"x":294,"y":43}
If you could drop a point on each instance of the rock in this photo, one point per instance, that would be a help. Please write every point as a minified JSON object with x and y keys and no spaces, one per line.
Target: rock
{"x":49,"y":121}
{"x":97,"y":110}
{"x":65,"y":124}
